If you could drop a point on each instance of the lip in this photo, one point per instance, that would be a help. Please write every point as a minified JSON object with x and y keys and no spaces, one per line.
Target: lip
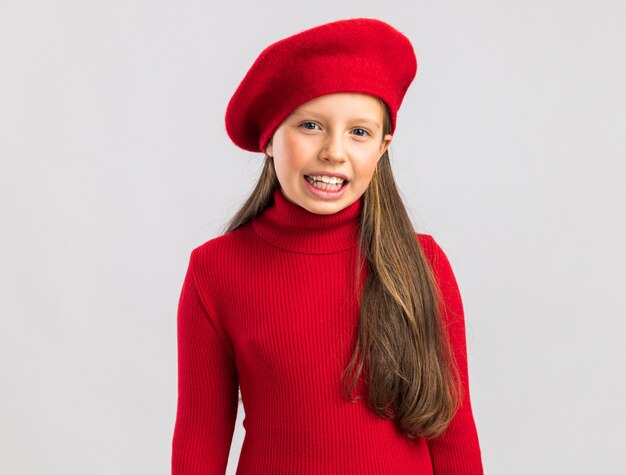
{"x":320,"y":172}
{"x":324,"y":193}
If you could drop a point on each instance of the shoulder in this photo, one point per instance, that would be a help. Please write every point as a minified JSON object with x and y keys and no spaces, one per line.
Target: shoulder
{"x":221,"y":249}
{"x":431,"y":248}
{"x":448,"y":287}
{"x":437,"y":258}
{"x":425,"y":241}
{"x":216,"y":264}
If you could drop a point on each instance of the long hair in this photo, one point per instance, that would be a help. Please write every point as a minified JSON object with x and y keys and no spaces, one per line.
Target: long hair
{"x":402,"y":343}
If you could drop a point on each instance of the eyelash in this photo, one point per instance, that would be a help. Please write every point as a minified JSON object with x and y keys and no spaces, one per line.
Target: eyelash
{"x":305,"y":123}
{"x":358,"y":128}
{"x":366,"y":132}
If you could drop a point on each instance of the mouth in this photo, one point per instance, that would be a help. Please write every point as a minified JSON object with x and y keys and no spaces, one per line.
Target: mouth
{"x":326,"y":183}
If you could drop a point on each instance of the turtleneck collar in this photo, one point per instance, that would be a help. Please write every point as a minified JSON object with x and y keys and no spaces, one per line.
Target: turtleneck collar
{"x":294,"y":228}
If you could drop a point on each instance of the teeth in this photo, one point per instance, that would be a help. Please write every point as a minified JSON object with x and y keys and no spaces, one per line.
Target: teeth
{"x":333,"y":180}
{"x":324,"y":186}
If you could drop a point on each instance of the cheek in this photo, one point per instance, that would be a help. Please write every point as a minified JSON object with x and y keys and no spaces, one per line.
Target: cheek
{"x":297,"y":146}
{"x":291,"y":154}
{"x":281,"y":165}
{"x":366,"y":165}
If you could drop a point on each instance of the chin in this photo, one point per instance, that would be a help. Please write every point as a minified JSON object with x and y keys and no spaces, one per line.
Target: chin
{"x":316,"y":205}
{"x":325,"y":210}
{"x":327,"y":207}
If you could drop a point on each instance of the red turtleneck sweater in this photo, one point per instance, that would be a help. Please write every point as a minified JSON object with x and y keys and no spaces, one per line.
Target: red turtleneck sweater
{"x":270,"y":308}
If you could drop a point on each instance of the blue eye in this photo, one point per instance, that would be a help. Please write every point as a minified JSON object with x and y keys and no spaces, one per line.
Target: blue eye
{"x":309,"y":125}
{"x":361,"y":132}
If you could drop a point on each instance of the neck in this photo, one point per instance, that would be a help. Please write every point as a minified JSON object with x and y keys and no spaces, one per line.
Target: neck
{"x":294,"y":228}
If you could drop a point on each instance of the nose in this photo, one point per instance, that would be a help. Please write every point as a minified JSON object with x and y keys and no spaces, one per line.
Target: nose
{"x":333,"y":149}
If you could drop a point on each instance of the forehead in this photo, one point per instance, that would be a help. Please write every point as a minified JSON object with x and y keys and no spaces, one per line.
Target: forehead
{"x":344,"y":104}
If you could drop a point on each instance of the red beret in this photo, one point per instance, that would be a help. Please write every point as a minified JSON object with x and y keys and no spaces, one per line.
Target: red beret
{"x":356,"y":55}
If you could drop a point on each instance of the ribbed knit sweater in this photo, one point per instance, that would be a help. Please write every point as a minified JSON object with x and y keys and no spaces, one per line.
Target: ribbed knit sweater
{"x":270,"y":308}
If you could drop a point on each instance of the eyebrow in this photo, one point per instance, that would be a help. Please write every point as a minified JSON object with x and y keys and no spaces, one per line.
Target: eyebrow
{"x":369,"y":121}
{"x":359,"y":119}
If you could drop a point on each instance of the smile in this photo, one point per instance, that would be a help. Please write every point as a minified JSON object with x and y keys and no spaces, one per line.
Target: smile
{"x":326,"y":183}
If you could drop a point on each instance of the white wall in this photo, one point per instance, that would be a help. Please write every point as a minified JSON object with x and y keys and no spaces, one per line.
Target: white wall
{"x":115,"y":164}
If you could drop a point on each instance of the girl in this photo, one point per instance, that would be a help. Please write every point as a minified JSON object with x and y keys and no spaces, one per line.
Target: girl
{"x":341,"y":326}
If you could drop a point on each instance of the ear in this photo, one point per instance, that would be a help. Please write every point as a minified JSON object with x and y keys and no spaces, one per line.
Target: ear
{"x":384,"y":145}
{"x":269,"y":149}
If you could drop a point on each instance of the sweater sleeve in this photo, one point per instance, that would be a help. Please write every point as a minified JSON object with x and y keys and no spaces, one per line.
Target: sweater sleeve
{"x":457,"y":450}
{"x":207,"y":387}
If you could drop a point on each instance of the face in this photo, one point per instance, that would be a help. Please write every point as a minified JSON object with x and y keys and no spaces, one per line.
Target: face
{"x":333,"y":137}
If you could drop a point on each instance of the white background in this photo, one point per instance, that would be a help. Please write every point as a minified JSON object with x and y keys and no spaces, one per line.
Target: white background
{"x":115,"y":163}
